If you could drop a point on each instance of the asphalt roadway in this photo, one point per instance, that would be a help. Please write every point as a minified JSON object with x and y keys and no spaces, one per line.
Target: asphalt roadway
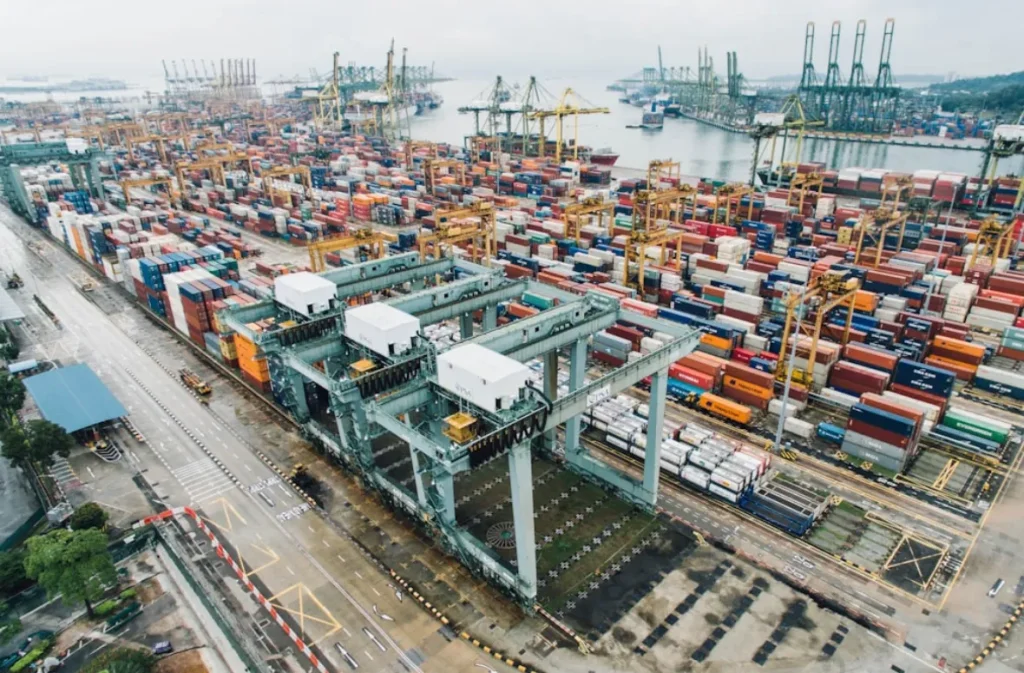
{"x":319,"y":579}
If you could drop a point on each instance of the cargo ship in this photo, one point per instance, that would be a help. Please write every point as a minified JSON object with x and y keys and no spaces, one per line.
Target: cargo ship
{"x":652,"y":120}
{"x":604,"y":156}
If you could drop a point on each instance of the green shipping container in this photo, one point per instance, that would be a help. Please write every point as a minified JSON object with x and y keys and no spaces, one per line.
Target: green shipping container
{"x":537,"y":301}
{"x":970,"y":426}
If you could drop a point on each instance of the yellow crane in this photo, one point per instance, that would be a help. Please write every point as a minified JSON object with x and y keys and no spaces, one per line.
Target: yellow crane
{"x":793,"y":112}
{"x":159,"y":141}
{"x":432,"y":173}
{"x":661,"y":172}
{"x":478,"y":144}
{"x":475,"y":224}
{"x":302,"y":172}
{"x":412,"y":145}
{"x":831,"y":290}
{"x":653,"y":210}
{"x":569,"y":105}
{"x":374,"y":243}
{"x":877,"y":225}
{"x":800,"y":186}
{"x":574,"y":214}
{"x":896,"y":189}
{"x":122,"y":130}
{"x":214,"y":164}
{"x":733,"y":192}
{"x":993,"y":241}
{"x":128,"y":183}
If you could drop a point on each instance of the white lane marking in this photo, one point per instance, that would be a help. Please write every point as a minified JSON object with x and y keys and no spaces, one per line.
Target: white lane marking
{"x":347,"y":632}
{"x":233,"y":454}
{"x":342,"y":558}
{"x":285,"y":490}
{"x":310,"y":529}
{"x":290,"y":570}
{"x":326,"y":543}
{"x":375,"y":591}
{"x":217,"y":427}
{"x":247,"y":467}
{"x":358,"y":575}
{"x":368,"y":655}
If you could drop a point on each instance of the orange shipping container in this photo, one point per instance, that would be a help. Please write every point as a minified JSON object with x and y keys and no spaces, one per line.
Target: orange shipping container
{"x":963,"y":371}
{"x":733,"y":383}
{"x":865,"y":301}
{"x":725,"y":408}
{"x":715,"y":342}
{"x":974,"y":353}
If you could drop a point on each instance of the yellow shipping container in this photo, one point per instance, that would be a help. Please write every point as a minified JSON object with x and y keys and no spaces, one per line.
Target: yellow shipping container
{"x":715,"y":342}
{"x":745,"y":386}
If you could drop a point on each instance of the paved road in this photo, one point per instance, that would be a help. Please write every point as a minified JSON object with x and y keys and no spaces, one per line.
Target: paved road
{"x":316,"y":575}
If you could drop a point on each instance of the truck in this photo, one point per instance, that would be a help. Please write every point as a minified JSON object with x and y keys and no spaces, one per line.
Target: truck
{"x":192,"y":380}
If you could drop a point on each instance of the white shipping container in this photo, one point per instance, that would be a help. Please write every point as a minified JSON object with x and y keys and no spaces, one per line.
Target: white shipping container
{"x":798,"y":427}
{"x":383,"y":329}
{"x":723,"y":493}
{"x":305,"y":293}
{"x":695,"y":476}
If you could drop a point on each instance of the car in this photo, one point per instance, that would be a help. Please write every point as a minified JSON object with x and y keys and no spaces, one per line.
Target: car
{"x":163,"y":647}
{"x":996,"y":587}
{"x":348,"y":657}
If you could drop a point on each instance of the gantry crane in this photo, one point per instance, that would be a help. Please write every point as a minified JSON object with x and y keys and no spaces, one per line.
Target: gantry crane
{"x":792,"y":117}
{"x":993,"y":241}
{"x":876,"y":225}
{"x":412,"y":145}
{"x":830,"y":291}
{"x":478,"y":144}
{"x":214,"y":164}
{"x":653,"y":210}
{"x":733,"y":192}
{"x":574,"y":212}
{"x":122,"y":130}
{"x":159,"y":141}
{"x":267,"y":176}
{"x":127,"y":184}
{"x":569,"y":105}
{"x":432,"y":173}
{"x":475,"y":224}
{"x":375,"y":244}
{"x":662,"y":172}
{"x":896,"y":189}
{"x":800,"y":186}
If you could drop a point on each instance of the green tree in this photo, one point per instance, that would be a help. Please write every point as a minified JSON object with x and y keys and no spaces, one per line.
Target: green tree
{"x":12,"y":572}
{"x":12,"y":396}
{"x":121,"y":660}
{"x":46,"y":439}
{"x":15,"y":445}
{"x":89,"y":515}
{"x":9,"y":349}
{"x":74,"y":564}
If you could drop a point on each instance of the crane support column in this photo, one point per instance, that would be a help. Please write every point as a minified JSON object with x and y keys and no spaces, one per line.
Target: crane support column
{"x":577,"y":372}
{"x":466,"y":325}
{"x":298,"y":385}
{"x":444,"y":484}
{"x":520,"y":472}
{"x":655,"y":423}
{"x":490,"y":318}
{"x":550,"y":391}
{"x":417,"y":472}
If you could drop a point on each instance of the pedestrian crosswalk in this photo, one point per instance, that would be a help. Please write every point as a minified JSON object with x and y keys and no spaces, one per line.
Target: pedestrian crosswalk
{"x":203,"y":480}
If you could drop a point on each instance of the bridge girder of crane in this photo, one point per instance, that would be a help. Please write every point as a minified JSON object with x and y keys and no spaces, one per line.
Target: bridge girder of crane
{"x":83,"y":165}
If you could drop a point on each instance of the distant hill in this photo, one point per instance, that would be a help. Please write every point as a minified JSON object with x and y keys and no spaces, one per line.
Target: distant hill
{"x":981,"y":84}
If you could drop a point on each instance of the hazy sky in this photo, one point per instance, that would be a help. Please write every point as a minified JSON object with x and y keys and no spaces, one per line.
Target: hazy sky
{"x":122,"y":38}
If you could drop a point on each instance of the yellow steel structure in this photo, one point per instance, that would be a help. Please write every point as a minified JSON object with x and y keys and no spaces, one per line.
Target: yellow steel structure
{"x":127,"y":184}
{"x":895,"y":190}
{"x":213,"y":164}
{"x":594,"y":205}
{"x":159,"y":141}
{"x":800,"y":186}
{"x":733,"y":192}
{"x":663,"y":171}
{"x":412,"y":145}
{"x":460,"y":427}
{"x":432,"y":173}
{"x":793,"y":108}
{"x":267,"y":176}
{"x":653,"y":210}
{"x":478,"y":144}
{"x":374,"y":243}
{"x":474,"y":224}
{"x":878,"y":224}
{"x":994,"y":239}
{"x":828,"y":292}
{"x":122,"y":130}
{"x":211,"y":146}
{"x":569,"y":105}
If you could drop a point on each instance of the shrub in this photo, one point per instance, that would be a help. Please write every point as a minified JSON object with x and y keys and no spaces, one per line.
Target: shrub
{"x":128,"y":593}
{"x":105,"y":608}
{"x":32,"y":655}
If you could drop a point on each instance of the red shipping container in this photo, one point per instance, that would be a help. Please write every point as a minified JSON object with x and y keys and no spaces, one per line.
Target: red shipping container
{"x":930,"y":398}
{"x":749,"y":374}
{"x":742,"y":355}
{"x":634,"y":336}
{"x":607,"y":359}
{"x":887,"y":404}
{"x":692,"y":376}
{"x":745,"y":398}
{"x":870,"y":356}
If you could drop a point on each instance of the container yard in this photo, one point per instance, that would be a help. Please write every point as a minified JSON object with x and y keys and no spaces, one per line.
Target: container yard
{"x":547,"y":366}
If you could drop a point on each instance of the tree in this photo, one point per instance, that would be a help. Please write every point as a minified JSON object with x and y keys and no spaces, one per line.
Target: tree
{"x":8,"y":346}
{"x":12,"y":396}
{"x":46,"y":439}
{"x":38,"y":441}
{"x":121,"y":660}
{"x":74,"y":564}
{"x":89,"y":515}
{"x":12,"y":572}
{"x":15,"y":445}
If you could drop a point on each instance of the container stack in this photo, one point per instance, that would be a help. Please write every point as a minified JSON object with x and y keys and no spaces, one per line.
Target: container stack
{"x":960,"y":357}
{"x":882,"y":433}
{"x":748,"y":386}
{"x":252,"y":363}
{"x":1011,"y":345}
{"x":974,"y":432}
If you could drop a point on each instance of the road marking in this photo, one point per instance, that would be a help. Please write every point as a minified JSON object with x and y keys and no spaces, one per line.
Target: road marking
{"x":346,"y":632}
{"x":342,"y":558}
{"x":259,"y":537}
{"x":289,"y":570}
{"x":233,"y":454}
{"x":375,"y":591}
{"x":326,"y":543}
{"x":368,"y":655}
{"x":310,"y":529}
{"x":216,"y":427}
{"x":285,"y":490}
{"x":358,"y":575}
{"x":247,"y":467}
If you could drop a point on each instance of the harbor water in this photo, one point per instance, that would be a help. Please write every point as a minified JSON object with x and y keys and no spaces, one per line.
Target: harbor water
{"x":702,"y":150}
